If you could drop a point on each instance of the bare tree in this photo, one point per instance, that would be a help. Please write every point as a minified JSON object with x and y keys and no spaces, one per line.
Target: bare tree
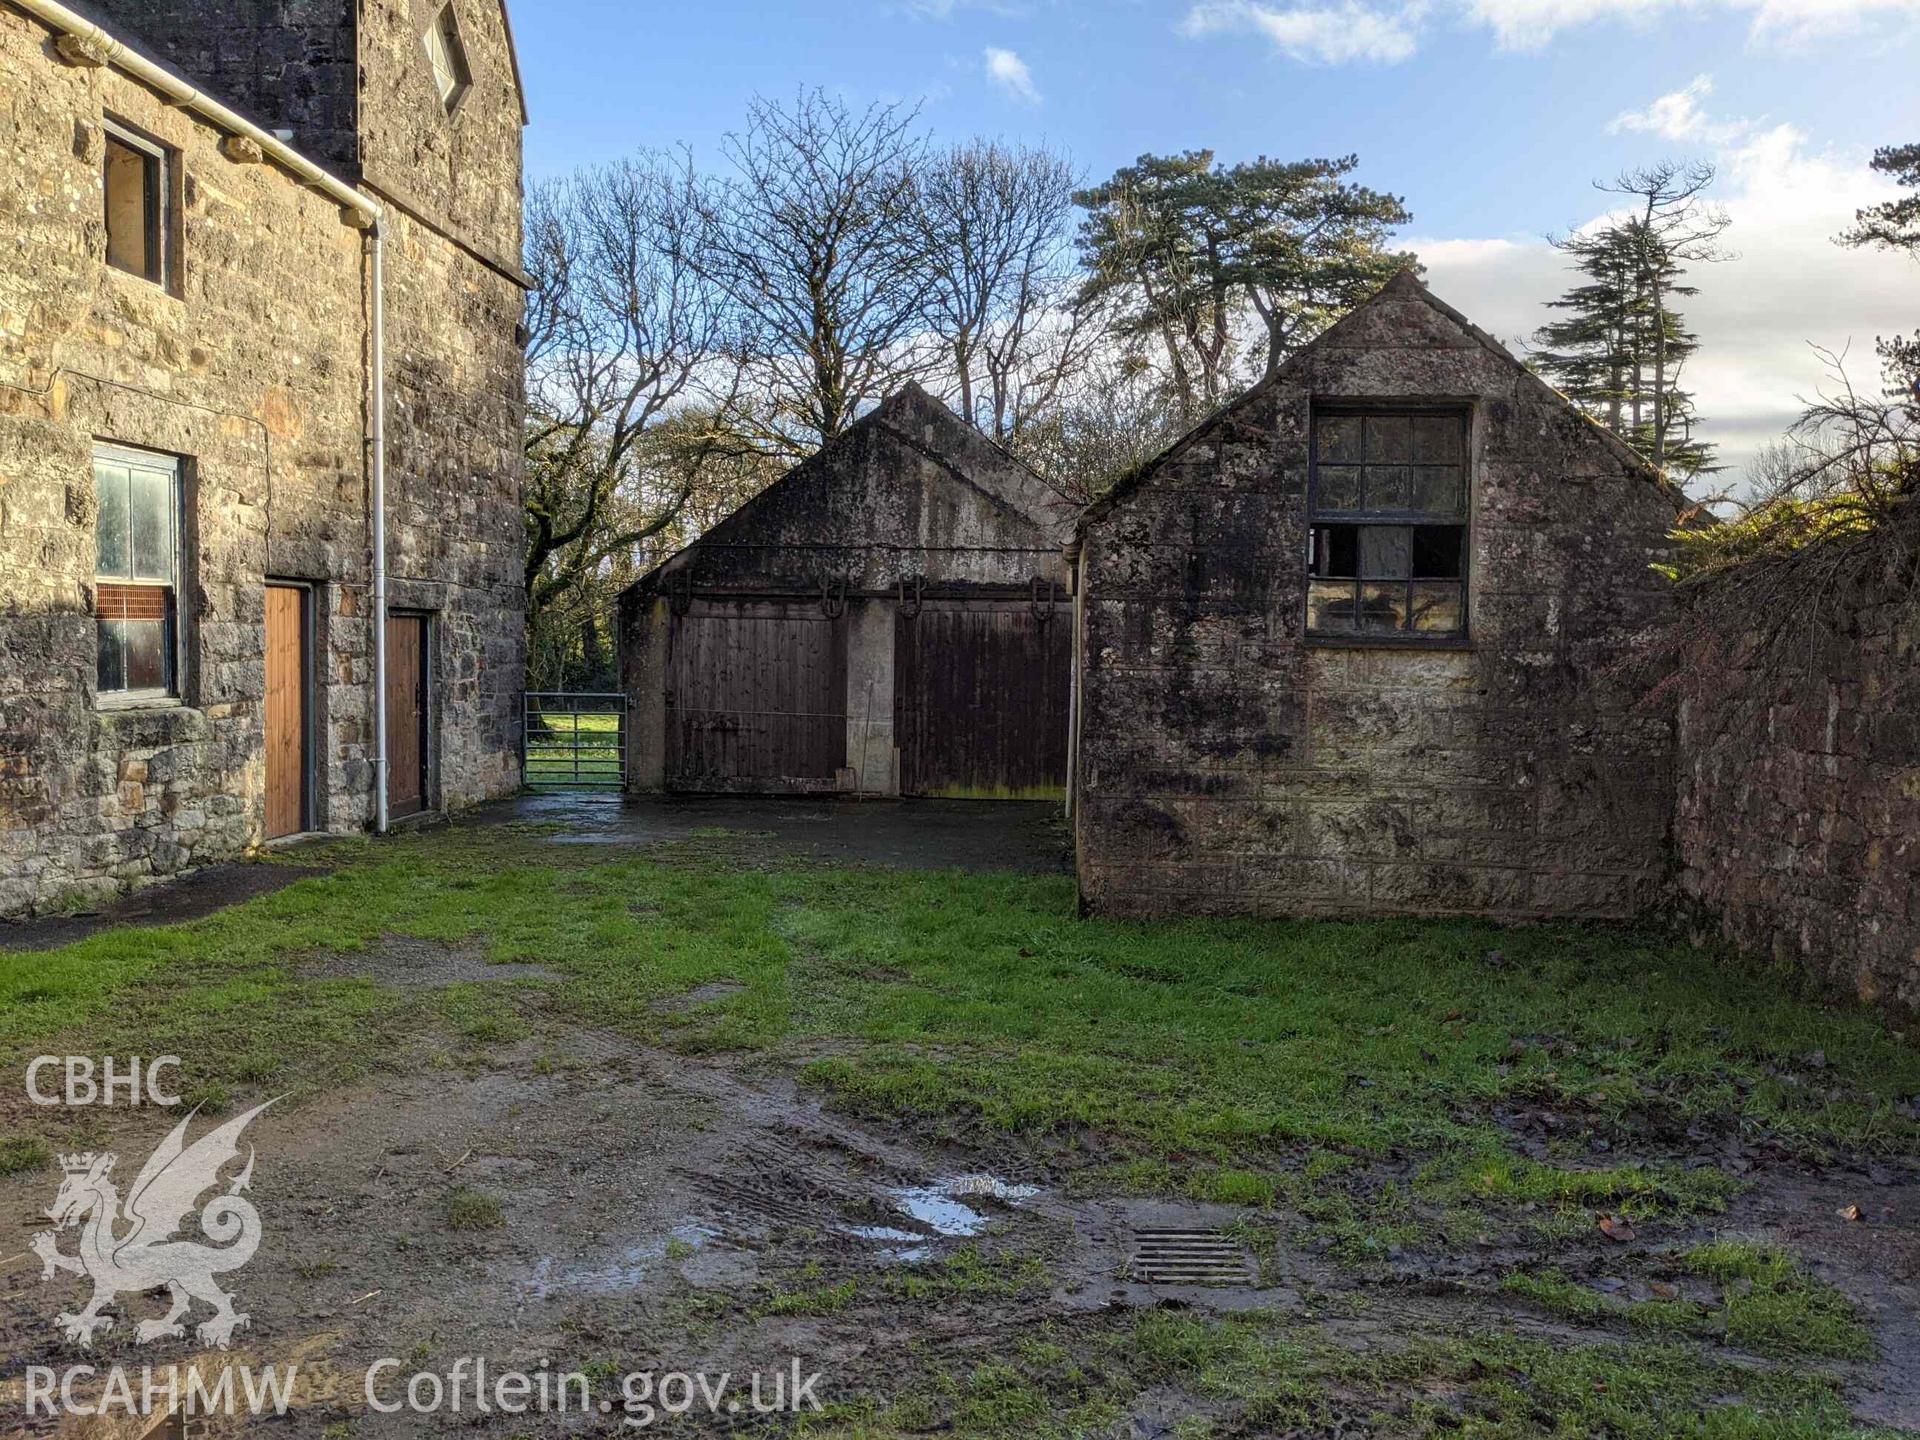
{"x":998,"y":244}
{"x":624,"y":329}
{"x":1117,"y":414}
{"x":1672,"y":226}
{"x":812,"y":240}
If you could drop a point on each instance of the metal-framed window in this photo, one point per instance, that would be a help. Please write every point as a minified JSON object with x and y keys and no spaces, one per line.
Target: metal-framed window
{"x":137,"y":572}
{"x":137,"y":179}
{"x":1388,"y":501}
{"x":447,"y":54}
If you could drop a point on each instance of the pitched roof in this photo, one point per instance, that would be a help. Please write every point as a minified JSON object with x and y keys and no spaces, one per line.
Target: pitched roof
{"x":913,"y":418}
{"x":1404,"y":285}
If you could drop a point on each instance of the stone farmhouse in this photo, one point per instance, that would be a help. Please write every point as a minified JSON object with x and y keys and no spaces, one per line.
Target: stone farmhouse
{"x":1353,"y":646}
{"x":888,"y":618}
{"x":260,"y":407}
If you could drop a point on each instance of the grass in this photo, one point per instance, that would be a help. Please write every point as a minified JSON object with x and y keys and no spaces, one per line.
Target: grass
{"x":1233,"y":1055}
{"x":1768,"y":1304}
{"x":1287,"y":1069}
{"x":467,"y":1209}
{"x":1259,"y":1374}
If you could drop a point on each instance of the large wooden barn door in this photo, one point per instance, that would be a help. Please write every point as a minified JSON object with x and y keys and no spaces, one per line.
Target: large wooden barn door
{"x":756,"y":698}
{"x":288,"y":688}
{"x":981,"y":701}
{"x":407,"y":732}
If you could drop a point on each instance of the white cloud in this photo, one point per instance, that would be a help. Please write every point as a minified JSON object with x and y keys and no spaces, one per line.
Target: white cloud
{"x":1329,"y":35}
{"x":1787,"y":288}
{"x":1352,"y":31}
{"x":1010,"y":75}
{"x":1678,"y":116}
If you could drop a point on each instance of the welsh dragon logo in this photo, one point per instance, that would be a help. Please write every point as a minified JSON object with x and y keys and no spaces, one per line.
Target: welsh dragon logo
{"x":131,"y":1249}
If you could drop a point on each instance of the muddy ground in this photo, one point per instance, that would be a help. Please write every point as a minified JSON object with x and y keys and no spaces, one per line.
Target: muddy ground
{"x":664,"y":1212}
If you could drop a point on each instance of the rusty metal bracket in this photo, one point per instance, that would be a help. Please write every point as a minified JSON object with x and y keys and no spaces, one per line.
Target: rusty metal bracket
{"x":833,"y":598}
{"x":912,"y":608}
{"x":680,"y":593}
{"x":1043,"y":610}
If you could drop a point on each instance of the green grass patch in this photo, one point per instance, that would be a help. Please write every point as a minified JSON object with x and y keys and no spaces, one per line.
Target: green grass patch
{"x":1772,"y":1305}
{"x":22,"y":1153}
{"x":466,"y":1209}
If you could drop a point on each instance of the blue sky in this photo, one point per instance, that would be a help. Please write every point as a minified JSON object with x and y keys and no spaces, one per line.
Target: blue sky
{"x":1490,"y":116}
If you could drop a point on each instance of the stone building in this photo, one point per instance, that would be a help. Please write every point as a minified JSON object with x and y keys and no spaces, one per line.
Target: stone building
{"x":240,"y":237}
{"x":1350,"y":646}
{"x":890,"y":617}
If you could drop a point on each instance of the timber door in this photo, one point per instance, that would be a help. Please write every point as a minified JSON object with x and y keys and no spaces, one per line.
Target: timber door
{"x":981,"y":700}
{"x":756,"y":698}
{"x":289,"y":692}
{"x":407,"y":731}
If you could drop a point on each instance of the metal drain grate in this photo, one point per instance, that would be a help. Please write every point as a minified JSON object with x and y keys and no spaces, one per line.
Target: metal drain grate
{"x":1188,"y":1257}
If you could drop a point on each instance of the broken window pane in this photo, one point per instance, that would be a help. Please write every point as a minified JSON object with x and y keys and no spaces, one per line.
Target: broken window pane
{"x":1438,"y":551}
{"x":1336,"y":550}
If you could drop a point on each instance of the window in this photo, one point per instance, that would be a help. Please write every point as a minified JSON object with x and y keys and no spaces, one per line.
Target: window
{"x":448,"y":57}
{"x":137,"y":189}
{"x":136,"y":571}
{"x":1389,"y":525}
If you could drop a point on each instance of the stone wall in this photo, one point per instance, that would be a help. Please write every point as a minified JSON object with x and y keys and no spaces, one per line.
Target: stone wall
{"x":253,"y":368}
{"x":1226,"y":764}
{"x":285,"y":64}
{"x":1799,"y":786}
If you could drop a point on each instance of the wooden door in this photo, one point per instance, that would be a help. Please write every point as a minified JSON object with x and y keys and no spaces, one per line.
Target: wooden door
{"x":288,"y":692}
{"x":407,"y":733}
{"x":756,"y":698}
{"x":981,"y":697}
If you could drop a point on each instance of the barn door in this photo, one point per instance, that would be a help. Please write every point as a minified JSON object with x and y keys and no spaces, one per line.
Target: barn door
{"x":407,"y":733}
{"x":289,"y":687}
{"x":756,"y":698}
{"x":981,"y":700}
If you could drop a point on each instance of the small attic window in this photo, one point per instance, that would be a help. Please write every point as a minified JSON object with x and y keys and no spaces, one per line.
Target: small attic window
{"x":448,"y":56}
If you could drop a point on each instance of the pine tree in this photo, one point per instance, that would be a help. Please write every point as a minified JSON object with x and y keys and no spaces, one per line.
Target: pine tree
{"x":1623,"y":346}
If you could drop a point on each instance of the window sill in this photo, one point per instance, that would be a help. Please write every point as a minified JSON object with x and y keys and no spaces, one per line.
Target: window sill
{"x":1390,"y":642}
{"x":120,"y":704}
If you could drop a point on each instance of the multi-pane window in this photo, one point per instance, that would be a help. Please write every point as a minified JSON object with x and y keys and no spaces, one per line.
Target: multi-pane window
{"x":448,"y":57}
{"x":137,"y":571}
{"x":1389,"y":524}
{"x":137,"y":186}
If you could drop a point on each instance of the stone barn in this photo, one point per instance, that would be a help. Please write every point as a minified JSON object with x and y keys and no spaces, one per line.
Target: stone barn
{"x":1352,"y":646}
{"x":891,"y":617}
{"x":261,"y":312}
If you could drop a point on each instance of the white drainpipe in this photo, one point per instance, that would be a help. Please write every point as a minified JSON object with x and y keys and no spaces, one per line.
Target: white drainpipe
{"x":377,"y":425}
{"x":366,"y":213}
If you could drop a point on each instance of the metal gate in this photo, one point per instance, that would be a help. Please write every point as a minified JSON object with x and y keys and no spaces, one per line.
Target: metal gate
{"x":574,"y":741}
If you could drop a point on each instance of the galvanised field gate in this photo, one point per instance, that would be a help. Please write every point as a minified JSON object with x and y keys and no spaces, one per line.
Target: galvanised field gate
{"x":574,"y":741}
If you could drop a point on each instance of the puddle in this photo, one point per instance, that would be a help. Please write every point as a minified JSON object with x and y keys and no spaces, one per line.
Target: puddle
{"x":630,"y":1268}
{"x":941,"y":1207}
